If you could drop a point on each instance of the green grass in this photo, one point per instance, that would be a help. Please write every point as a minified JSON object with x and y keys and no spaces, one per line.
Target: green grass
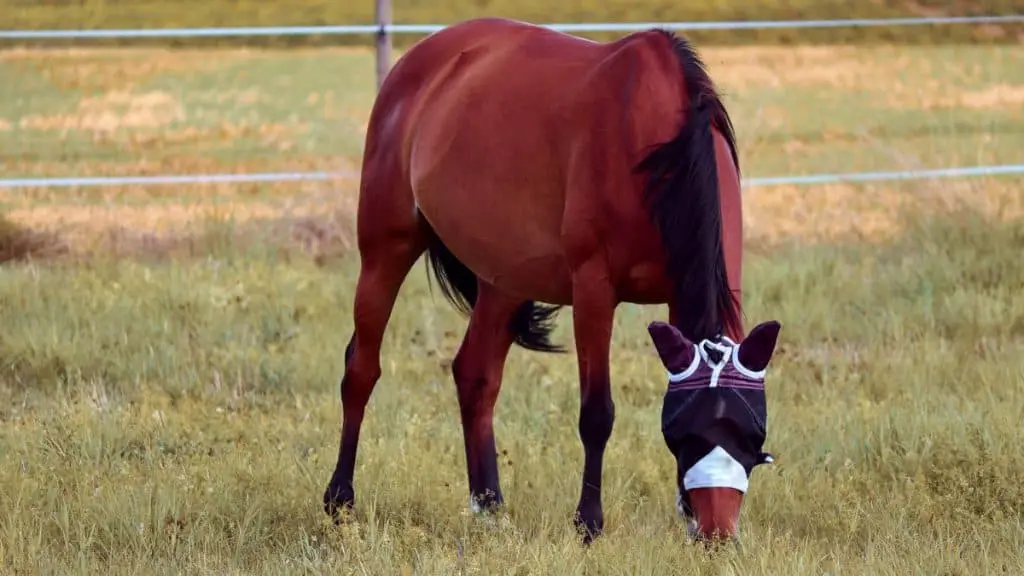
{"x":182,"y":417}
{"x":169,"y":402}
{"x":806,"y":110}
{"x":240,"y":111}
{"x":277,"y":110}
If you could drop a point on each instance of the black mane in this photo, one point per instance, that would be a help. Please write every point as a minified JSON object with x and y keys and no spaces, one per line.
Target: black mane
{"x":682,"y":194}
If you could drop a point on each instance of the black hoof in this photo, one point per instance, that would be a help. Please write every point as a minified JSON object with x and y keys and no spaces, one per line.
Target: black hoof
{"x":338,"y":501}
{"x":589,"y":526}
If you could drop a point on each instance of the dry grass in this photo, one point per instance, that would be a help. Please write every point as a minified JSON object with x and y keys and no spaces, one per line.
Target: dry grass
{"x":113,"y":111}
{"x":754,"y":66}
{"x":113,"y":70}
{"x":319,"y":220}
{"x":781,"y":214}
{"x":170,"y":111}
{"x":168,"y":387}
{"x":182,"y":417}
{"x":868,"y":213}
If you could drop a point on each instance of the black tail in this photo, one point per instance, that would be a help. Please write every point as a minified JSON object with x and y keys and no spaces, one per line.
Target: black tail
{"x":532,"y":323}
{"x":683,"y":196}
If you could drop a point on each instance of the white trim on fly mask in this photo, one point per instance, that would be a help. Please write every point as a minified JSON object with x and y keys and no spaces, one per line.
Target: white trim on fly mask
{"x":739,"y":365}
{"x":680,"y":376}
{"x":718,"y":469}
{"x":717,"y":367}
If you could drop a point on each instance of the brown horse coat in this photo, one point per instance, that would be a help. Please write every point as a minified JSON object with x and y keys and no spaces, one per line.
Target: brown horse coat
{"x":534,"y":166}
{"x":506,"y":129}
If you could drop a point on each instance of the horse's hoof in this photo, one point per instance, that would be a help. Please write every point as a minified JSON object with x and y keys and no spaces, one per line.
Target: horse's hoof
{"x":590,"y":526}
{"x":487,"y":503}
{"x":338,"y":502}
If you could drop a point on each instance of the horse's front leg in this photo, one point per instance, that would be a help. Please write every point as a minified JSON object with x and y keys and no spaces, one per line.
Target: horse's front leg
{"x":594,"y":305}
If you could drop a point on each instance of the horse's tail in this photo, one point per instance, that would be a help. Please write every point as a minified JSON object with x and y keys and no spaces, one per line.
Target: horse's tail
{"x":532,"y":323}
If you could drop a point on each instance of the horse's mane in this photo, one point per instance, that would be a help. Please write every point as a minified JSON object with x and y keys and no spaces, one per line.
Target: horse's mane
{"x":682,"y":193}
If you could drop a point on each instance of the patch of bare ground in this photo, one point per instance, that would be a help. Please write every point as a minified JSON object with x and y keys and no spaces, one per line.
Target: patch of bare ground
{"x":1005,"y":96}
{"x":279,"y":136}
{"x":1000,"y":96}
{"x":113,"y":69}
{"x":117,"y":69}
{"x":910,"y":80}
{"x":112,"y":111}
{"x":322,"y":237}
{"x":866,"y":213}
{"x":318,"y":220}
{"x":835,"y":66}
{"x":150,"y":117}
{"x":182,"y":164}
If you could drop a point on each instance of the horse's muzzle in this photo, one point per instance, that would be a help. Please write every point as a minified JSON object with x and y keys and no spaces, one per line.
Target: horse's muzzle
{"x":717,"y":512}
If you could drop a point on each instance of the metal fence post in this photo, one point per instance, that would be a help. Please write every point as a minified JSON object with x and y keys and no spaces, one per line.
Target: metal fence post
{"x":383,"y":40}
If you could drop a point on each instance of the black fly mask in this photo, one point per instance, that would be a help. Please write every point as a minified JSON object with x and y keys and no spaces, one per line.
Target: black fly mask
{"x":714,"y":419}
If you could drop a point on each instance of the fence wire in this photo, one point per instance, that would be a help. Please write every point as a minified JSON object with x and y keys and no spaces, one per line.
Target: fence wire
{"x":271,"y":177}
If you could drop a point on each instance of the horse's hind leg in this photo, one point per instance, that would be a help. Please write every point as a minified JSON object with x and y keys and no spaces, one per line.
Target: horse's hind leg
{"x":478,"y":368}
{"x":391,"y":239}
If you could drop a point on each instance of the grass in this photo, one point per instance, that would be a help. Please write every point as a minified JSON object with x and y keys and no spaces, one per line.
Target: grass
{"x":156,"y":111}
{"x":168,"y":387}
{"x":184,"y":417}
{"x":187,"y":109}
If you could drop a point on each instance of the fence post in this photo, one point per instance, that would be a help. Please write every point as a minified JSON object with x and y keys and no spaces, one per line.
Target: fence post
{"x":383,"y":40}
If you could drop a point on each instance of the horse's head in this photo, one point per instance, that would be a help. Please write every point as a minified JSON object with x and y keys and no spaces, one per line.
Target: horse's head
{"x":714,"y":421}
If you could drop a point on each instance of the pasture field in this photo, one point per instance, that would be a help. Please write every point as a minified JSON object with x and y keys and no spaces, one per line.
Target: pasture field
{"x":169,"y":357}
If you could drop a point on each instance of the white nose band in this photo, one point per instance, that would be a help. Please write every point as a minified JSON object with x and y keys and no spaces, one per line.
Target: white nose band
{"x":716,"y":470}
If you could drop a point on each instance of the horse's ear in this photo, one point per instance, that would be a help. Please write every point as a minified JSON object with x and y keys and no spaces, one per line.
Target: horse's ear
{"x":675,"y":350}
{"x":757,"y":348}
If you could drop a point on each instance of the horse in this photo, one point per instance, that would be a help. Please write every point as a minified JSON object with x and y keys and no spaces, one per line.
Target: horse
{"x":539,"y":170}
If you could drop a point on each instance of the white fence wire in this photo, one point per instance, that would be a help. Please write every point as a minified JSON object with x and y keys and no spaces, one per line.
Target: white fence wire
{"x":272,"y":177}
{"x":264,"y":177}
{"x":356,"y":29}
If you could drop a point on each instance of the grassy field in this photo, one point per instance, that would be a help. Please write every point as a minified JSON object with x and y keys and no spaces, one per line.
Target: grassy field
{"x":169,"y":357}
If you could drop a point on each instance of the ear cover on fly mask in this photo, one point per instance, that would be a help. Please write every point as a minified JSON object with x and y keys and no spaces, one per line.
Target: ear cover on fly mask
{"x":715,"y":396}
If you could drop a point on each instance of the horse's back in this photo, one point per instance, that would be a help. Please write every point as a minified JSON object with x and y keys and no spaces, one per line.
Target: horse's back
{"x":495,"y":114}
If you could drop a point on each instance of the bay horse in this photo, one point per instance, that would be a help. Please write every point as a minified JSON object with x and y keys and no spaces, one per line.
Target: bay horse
{"x":537,"y":170}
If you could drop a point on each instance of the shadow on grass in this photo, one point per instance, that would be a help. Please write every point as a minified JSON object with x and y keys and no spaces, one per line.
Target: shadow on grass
{"x":322,"y":238}
{"x":18,"y":244}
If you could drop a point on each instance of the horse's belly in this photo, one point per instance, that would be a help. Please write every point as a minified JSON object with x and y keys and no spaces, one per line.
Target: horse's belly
{"x":516,"y":249}
{"x":487,"y":171}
